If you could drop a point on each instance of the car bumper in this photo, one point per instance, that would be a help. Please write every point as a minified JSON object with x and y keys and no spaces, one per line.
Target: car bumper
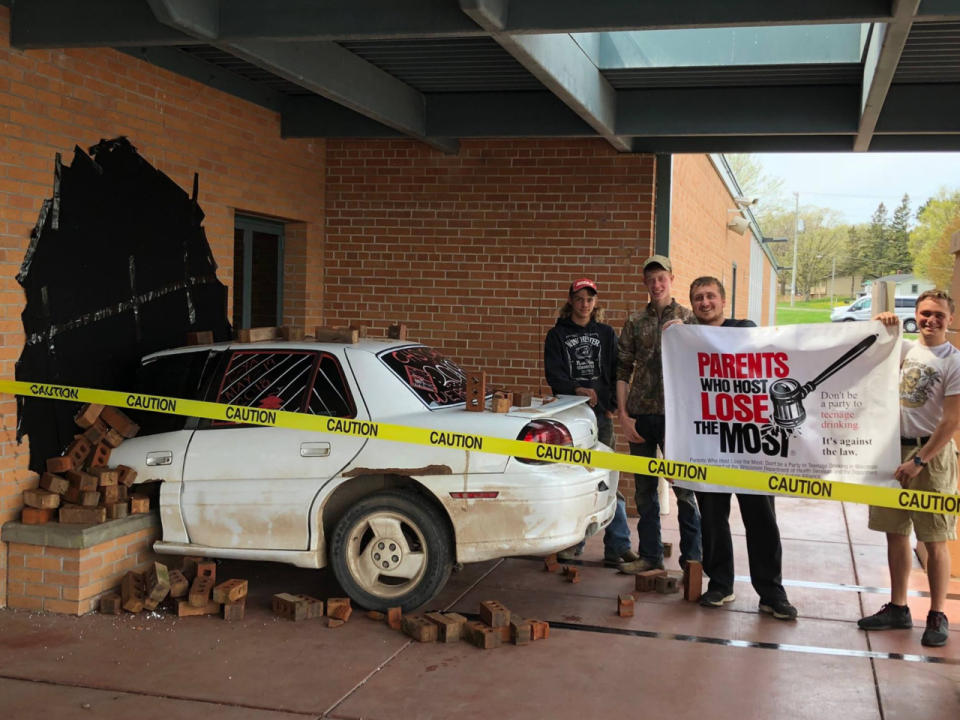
{"x":557,"y":507}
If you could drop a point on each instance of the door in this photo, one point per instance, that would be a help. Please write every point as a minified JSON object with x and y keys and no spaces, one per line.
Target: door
{"x":252,"y":487}
{"x":257,"y":273}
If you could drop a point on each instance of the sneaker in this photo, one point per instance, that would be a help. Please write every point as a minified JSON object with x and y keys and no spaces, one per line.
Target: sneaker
{"x":618,"y":560}
{"x":937,"y":628}
{"x":574,"y":551}
{"x":716,"y":598}
{"x":889,"y":617}
{"x":639,"y":566}
{"x":780,"y":609}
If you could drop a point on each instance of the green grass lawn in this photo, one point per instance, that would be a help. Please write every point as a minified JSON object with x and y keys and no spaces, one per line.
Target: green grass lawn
{"x":804,"y":312}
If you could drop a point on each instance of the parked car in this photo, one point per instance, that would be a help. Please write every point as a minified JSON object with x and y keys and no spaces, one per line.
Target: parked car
{"x":390,"y":519}
{"x":905,"y":308}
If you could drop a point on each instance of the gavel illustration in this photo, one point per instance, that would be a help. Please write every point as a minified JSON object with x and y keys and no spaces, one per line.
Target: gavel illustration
{"x":786,"y":394}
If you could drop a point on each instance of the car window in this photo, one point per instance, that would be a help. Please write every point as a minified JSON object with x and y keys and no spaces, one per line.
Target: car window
{"x":435,"y":379}
{"x":905,"y":302}
{"x":330,"y":394}
{"x":178,"y":376}
{"x":268,"y":379}
{"x":861,"y":304}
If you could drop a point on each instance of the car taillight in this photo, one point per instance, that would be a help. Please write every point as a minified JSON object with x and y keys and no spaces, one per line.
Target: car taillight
{"x":550,"y":432}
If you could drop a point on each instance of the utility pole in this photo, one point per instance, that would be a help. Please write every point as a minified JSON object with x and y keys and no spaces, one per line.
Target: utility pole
{"x":833,"y":279}
{"x":796,"y":223}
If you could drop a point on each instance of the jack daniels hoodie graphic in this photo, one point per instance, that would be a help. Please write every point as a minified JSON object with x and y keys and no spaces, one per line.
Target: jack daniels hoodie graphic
{"x":575,"y":356}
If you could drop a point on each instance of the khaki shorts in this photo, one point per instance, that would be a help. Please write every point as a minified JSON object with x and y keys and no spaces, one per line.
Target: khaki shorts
{"x":940,"y":475}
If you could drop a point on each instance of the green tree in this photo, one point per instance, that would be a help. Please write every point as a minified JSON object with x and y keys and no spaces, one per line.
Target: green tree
{"x":874,"y":244}
{"x":929,"y":242}
{"x":896,"y":254}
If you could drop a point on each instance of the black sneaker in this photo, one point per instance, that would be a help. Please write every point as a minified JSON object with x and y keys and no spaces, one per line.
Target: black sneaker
{"x":716,"y":598}
{"x":937,"y":629}
{"x":780,"y":609}
{"x":889,"y":617}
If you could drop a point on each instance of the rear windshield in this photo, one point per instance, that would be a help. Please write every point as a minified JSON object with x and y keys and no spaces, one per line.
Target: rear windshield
{"x":435,"y":379}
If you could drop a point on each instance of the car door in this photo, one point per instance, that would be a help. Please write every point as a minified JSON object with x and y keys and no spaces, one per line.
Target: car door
{"x":251,"y":487}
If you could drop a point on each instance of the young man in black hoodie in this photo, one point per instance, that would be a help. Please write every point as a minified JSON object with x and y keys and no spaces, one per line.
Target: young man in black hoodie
{"x":580,"y":358}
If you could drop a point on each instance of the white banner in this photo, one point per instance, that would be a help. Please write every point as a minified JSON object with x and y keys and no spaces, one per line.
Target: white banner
{"x":818,"y":401}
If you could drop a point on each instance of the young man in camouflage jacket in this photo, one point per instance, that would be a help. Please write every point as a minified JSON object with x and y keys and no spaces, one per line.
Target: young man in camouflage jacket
{"x":641,"y":415}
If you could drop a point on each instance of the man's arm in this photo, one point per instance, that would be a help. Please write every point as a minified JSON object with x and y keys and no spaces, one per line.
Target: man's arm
{"x":941,"y":436}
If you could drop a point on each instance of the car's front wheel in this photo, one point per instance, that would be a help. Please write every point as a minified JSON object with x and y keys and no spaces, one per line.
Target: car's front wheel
{"x":391,"y":549}
{"x":910,"y":325}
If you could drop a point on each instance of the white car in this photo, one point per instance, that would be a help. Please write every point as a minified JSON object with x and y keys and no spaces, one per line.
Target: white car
{"x":904,"y":306}
{"x":389,"y":518}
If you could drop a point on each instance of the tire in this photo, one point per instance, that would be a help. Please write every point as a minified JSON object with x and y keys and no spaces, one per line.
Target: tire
{"x":849,"y":319}
{"x":391,"y":549}
{"x":910,"y":325}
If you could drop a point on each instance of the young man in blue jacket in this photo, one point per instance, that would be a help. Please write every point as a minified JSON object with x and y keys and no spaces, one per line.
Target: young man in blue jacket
{"x":580,"y":358}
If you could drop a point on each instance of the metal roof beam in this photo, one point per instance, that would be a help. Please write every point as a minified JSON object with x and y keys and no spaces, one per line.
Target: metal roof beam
{"x":932,"y":108}
{"x":560,"y":64}
{"x":787,"y":110}
{"x":745,"y":143}
{"x":324,"y":68}
{"x":881,"y":58}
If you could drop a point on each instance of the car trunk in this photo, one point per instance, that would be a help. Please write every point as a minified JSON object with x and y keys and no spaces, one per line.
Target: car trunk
{"x":572,"y":411}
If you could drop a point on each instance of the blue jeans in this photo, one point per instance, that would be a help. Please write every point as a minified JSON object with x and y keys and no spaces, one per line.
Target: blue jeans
{"x":651,"y":429}
{"x":616,"y":538}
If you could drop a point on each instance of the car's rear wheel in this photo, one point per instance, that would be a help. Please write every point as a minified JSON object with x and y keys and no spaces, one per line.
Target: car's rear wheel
{"x":391,"y":549}
{"x":910,"y":325}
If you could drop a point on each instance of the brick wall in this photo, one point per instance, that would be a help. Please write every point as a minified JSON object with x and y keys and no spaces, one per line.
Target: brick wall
{"x":51,"y":100}
{"x":71,"y":580}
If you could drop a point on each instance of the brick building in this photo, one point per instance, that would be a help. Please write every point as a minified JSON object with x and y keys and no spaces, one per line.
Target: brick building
{"x":473,"y":250}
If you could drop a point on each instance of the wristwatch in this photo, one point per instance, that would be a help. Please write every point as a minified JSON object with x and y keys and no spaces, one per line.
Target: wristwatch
{"x":918,"y":462}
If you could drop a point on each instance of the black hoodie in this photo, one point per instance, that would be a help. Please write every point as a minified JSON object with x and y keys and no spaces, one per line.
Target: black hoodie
{"x":575,"y":356}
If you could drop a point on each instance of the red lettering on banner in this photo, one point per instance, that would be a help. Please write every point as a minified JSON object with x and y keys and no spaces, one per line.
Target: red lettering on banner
{"x":743,"y":365}
{"x":742,"y":408}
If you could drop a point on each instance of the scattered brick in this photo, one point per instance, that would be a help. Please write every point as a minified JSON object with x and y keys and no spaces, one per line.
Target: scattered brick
{"x":111,"y":603}
{"x":112,"y":439}
{"x":692,"y":580}
{"x":37,"y":516}
{"x":449,"y":625}
{"x":188,"y":566}
{"x":59,"y":464}
{"x":157,"y":585}
{"x":230,"y":591}
{"x":504,"y":633}
{"x":339,"y":608}
{"x":395,"y":618}
{"x":78,"y":451}
{"x":572,"y":573}
{"x":476,"y":391}
{"x":483,"y":636}
{"x":289,"y":606}
{"x":667,"y":549}
{"x":41,"y":499}
{"x":132,"y":590}
{"x":88,"y":415}
{"x":54,"y":483}
{"x":185,"y":609}
{"x":200,"y":337}
{"x":334,"y":622}
{"x":419,"y":628}
{"x":207,"y":568}
{"x":117,"y":510}
{"x":200,"y":591}
{"x":126,"y":475}
{"x":314,"y":606}
{"x":139,"y":504}
{"x":521,"y":631}
{"x":376,"y":615}
{"x":646,"y":581}
{"x":77,"y":515}
{"x":106,"y":477}
{"x":397,"y":331}
{"x":96,"y":432}
{"x":494,"y":614}
{"x":110,"y":494}
{"x":550,"y":563}
{"x":625,"y":605}
{"x":540,"y":629}
{"x":81,"y":480}
{"x":291,"y":332}
{"x":502,"y":402}
{"x":100,"y":454}
{"x":118,"y":420}
{"x":233,"y":611}
{"x":90,"y":498}
{"x":668,"y":583}
{"x":179,"y":585}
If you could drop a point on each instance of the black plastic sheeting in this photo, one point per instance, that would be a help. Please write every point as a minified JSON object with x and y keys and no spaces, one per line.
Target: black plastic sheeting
{"x":118,"y":267}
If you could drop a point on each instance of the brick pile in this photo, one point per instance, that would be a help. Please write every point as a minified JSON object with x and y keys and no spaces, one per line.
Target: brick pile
{"x":79,"y":486}
{"x":305,"y":607}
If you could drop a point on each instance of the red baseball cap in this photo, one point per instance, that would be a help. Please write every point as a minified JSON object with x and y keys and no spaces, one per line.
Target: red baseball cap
{"x":583,"y":283}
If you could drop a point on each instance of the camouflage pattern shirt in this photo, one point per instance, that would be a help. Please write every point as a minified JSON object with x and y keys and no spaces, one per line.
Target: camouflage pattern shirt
{"x":638,"y":357}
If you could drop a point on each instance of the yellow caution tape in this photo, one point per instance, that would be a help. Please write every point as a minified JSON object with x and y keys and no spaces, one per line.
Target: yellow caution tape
{"x":918,"y":500}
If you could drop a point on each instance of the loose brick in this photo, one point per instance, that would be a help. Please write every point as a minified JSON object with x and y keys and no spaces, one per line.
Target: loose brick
{"x":112,"y":439}
{"x":100,"y":454}
{"x":37,"y":516}
{"x":88,"y":415}
{"x":692,"y":580}
{"x":157,"y":580}
{"x":188,"y":566}
{"x":111,"y":603}
{"x":334,"y":622}
{"x":494,"y":614}
{"x":289,"y":606}
{"x":77,"y":515}
{"x":132,"y":591}
{"x":41,"y":499}
{"x":179,"y":585}
{"x":200,"y":591}
{"x":81,"y":480}
{"x":123,"y":494}
{"x":397,"y":331}
{"x":573,"y":574}
{"x":521,"y":631}
{"x":314,"y":606}
{"x":540,"y":629}
{"x":139,"y":504}
{"x":54,"y":483}
{"x":339,"y":608}
{"x":550,"y":563}
{"x":483,"y":636}
{"x":395,"y":618}
{"x":117,"y":510}
{"x":230,"y":591}
{"x":233,"y":611}
{"x":200,"y":337}
{"x":91,"y":498}
{"x":668,"y":583}
{"x":667,"y":549}
{"x":449,"y":625}
{"x":185,"y":609}
{"x":625,"y":605}
{"x":59,"y":464}
{"x":646,"y":581}
{"x":476,"y":391}
{"x":257,"y":334}
{"x":118,"y":420}
{"x":207,"y":568}
{"x":291,"y":332}
{"x":105,"y":476}
{"x":72,"y":495}
{"x":376,"y":615}
{"x":110,"y":494}
{"x":95,"y":433}
{"x":502,"y":402}
{"x":125,"y":475}
{"x":419,"y":628}
{"x":504,"y":632}
{"x":79,"y":450}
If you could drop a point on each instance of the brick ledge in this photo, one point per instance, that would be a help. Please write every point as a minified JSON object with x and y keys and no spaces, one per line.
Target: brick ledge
{"x":77,"y":536}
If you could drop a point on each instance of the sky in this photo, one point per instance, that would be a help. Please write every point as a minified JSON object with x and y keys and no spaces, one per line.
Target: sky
{"x":855,"y":183}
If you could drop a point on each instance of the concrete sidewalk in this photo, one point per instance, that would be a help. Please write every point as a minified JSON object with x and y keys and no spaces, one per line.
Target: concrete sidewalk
{"x":672,"y":659}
